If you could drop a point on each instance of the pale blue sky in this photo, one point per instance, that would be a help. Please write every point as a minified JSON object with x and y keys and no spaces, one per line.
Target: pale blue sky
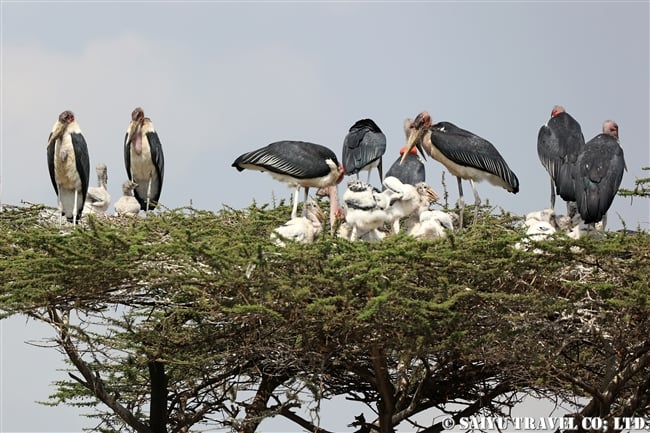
{"x":220,"y":79}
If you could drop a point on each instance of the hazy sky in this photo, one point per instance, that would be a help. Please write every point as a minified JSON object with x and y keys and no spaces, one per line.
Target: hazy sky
{"x":219,"y":79}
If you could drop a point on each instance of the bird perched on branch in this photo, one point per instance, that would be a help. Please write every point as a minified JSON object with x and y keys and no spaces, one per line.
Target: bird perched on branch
{"x":97,"y":198}
{"x":127,"y":204}
{"x":69,"y":165}
{"x":363,"y":148}
{"x":432,"y":225}
{"x":559,"y":143}
{"x":411,"y":170}
{"x":301,"y":229}
{"x":144,"y":160}
{"x":406,"y":200}
{"x":600,"y":167}
{"x":464,"y":154}
{"x":366,"y":209}
{"x":298,"y":163}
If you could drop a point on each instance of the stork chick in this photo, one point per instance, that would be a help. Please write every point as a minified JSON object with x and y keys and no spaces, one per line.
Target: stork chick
{"x":301,"y":229}
{"x":432,"y":225}
{"x":407,"y":199}
{"x":366,"y":209}
{"x":98,"y":199}
{"x":127,"y":204}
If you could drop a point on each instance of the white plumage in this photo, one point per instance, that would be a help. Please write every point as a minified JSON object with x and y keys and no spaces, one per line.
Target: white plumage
{"x":98,"y":199}
{"x":407,"y":200}
{"x":366,"y":208}
{"x":432,"y":225}
{"x":300,"y":229}
{"x":127,"y":204}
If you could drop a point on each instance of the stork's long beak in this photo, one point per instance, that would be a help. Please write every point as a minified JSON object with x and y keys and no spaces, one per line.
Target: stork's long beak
{"x":415,"y":139}
{"x":132,"y":128}
{"x":56,"y":133}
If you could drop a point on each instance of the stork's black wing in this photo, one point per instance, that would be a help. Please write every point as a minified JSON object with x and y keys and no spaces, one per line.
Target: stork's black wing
{"x":364,"y":143}
{"x":158,"y":159}
{"x":127,"y":156}
{"x":599,"y":172}
{"x":570,"y":143}
{"x":50,"y":163}
{"x":411,"y":171}
{"x":548,"y":150}
{"x":298,"y":159}
{"x":82,"y":162}
{"x":468,"y":149}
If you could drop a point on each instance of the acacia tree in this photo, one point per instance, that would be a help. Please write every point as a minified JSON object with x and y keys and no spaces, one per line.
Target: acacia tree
{"x":191,"y":319}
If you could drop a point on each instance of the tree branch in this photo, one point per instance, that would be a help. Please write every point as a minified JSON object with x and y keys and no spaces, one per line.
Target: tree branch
{"x":93,"y":381}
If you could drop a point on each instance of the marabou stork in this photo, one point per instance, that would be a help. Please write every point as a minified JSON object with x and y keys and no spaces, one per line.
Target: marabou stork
{"x":599,"y":173}
{"x":303,"y":229}
{"x":144,"y":160}
{"x":363,"y":148}
{"x":127,"y":204}
{"x":411,"y":171}
{"x":432,"y":225}
{"x":406,"y":200}
{"x":69,"y":166}
{"x":464,"y":154}
{"x":298,"y":163}
{"x":366,"y":209}
{"x":558,"y":144}
{"x":97,"y":198}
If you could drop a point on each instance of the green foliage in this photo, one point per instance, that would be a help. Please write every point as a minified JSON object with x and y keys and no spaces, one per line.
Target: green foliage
{"x":221,"y":307}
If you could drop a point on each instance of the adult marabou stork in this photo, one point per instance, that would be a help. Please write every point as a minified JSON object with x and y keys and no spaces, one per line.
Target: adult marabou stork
{"x":298,"y":163}
{"x":412,"y":170}
{"x":464,"y":154}
{"x":144,"y":160}
{"x":363,"y":148}
{"x":69,"y":165}
{"x":599,"y":173}
{"x":559,"y":143}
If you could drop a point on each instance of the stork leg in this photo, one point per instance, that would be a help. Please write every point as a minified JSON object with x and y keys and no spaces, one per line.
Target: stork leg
{"x":552,"y":193}
{"x":461,"y":202}
{"x":74,"y":211}
{"x":58,"y":197}
{"x":149,"y":193}
{"x":380,"y":170}
{"x":304,"y":203}
{"x":296,"y":196}
{"x":477,"y":200}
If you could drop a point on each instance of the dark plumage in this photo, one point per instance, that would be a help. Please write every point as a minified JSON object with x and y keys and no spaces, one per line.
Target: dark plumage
{"x":298,"y":163}
{"x":363,"y":148}
{"x":600,"y":168}
{"x":559,"y":143}
{"x":411,"y":171}
{"x":464,"y":154}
